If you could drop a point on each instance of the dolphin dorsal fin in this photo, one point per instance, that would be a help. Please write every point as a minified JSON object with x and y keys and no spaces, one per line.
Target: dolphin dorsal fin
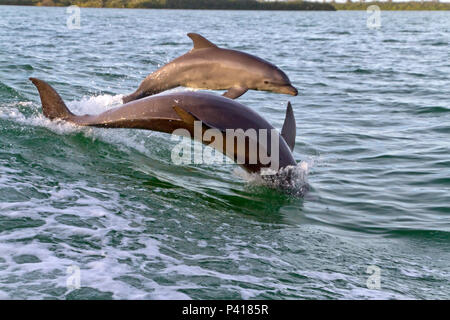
{"x":200,"y":42}
{"x":289,"y":127}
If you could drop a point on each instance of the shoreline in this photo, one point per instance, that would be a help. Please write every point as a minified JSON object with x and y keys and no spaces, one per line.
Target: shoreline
{"x":181,"y":4}
{"x":245,"y":5}
{"x":394,"y":6}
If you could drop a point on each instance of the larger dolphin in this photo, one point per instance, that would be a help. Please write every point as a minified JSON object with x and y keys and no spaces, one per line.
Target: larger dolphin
{"x":207,"y":66}
{"x":168,"y":112}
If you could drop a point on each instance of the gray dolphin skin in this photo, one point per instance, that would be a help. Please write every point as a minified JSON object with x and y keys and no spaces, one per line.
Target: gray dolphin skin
{"x":170,"y":111}
{"x":207,"y":66}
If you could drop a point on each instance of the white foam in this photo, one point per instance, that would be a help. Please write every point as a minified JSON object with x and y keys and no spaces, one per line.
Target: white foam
{"x":95,"y":105}
{"x":292,"y":179}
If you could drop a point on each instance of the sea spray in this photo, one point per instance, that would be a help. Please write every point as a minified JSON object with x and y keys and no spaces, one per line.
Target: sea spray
{"x":292,"y":180}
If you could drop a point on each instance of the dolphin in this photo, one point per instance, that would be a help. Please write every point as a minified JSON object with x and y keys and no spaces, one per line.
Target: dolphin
{"x":168,"y":112}
{"x":207,"y":66}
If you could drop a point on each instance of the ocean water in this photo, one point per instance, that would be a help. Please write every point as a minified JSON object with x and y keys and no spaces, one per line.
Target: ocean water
{"x":107,"y":207}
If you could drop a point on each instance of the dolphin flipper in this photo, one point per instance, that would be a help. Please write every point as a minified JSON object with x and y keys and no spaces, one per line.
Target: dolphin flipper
{"x":134,"y":96}
{"x":189,"y":119}
{"x":289,"y":127}
{"x":186,"y":116}
{"x":235,"y":92}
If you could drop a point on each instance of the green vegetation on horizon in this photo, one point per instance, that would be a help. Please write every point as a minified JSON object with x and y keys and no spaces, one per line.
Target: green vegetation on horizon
{"x":410,"y":5}
{"x":180,"y":4}
{"x":234,"y":4}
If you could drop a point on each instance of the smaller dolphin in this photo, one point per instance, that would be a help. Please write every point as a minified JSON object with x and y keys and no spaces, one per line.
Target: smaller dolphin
{"x":169,"y":112}
{"x":207,"y":66}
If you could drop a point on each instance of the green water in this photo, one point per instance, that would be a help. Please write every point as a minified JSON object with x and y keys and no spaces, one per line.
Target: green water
{"x":372,"y":126}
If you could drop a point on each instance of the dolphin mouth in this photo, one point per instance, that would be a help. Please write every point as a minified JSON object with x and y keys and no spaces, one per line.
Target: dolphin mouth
{"x":289,"y":89}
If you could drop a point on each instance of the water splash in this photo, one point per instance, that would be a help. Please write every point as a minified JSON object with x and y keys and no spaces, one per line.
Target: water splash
{"x":95,"y":104}
{"x":292,"y":180}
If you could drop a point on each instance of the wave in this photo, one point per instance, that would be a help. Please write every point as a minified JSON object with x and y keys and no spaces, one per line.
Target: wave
{"x":362,"y":71}
{"x":9,"y":93}
{"x":429,"y":235}
{"x":434,"y":109}
{"x":25,"y":67}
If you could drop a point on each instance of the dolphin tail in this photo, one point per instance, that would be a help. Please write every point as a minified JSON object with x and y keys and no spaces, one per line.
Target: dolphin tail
{"x":53,"y":105}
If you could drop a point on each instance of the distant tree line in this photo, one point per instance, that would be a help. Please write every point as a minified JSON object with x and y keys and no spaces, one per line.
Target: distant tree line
{"x":239,"y":4}
{"x":180,"y":4}
{"x":19,"y":2}
{"x":391,"y":5}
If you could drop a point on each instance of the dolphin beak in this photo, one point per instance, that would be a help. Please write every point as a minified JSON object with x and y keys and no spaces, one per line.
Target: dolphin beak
{"x":289,"y":89}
